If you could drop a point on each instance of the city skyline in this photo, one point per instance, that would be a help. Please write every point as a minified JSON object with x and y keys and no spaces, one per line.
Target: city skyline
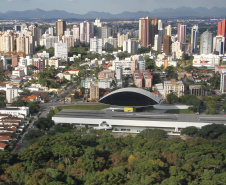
{"x":116,"y":6}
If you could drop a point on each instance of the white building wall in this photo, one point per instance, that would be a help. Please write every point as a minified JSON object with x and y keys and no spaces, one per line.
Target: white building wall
{"x":61,"y":50}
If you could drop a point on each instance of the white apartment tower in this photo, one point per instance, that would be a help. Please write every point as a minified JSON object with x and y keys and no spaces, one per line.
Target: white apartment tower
{"x":206,"y":43}
{"x":130,"y":46}
{"x":96,"y":45}
{"x":61,"y":50}
{"x":158,"y":43}
{"x":11,"y":93}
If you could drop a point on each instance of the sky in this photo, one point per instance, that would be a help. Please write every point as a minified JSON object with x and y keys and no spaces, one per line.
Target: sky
{"x":111,"y":6}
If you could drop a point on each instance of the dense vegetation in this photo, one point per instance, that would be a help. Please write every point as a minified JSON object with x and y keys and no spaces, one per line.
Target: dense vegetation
{"x":149,"y":158}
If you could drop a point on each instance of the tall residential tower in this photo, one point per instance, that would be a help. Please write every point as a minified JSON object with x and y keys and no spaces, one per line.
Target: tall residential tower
{"x":194,"y":38}
{"x":206,"y":43}
{"x":148,"y":28}
{"x":60,"y":27}
{"x":181,"y":33}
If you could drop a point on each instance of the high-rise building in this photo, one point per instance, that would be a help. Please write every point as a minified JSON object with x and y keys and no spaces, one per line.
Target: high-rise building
{"x":206,"y":43}
{"x":20,"y":44}
{"x":110,"y":43}
{"x":168,"y":30}
{"x":221,"y":30}
{"x":51,"y":31}
{"x":160,"y":24}
{"x":181,"y":33}
{"x":121,"y":38}
{"x":166,"y":44}
{"x":194,"y":38}
{"x":148,"y":28}
{"x":96,"y":45}
{"x":75,"y":31}
{"x":29,"y":45}
{"x":61,"y":50}
{"x":7,"y":42}
{"x":130,"y":46}
{"x":11,"y":93}
{"x":36,"y":33}
{"x":15,"y":60}
{"x":60,"y":27}
{"x":49,"y":41}
{"x":70,"y":40}
{"x":68,"y":32}
{"x":219,"y":45}
{"x":40,"y":65}
{"x":86,"y":32}
{"x":158,"y":43}
{"x":97,"y":23}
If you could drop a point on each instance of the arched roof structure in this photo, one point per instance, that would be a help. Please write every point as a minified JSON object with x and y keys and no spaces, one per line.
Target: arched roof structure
{"x":134,"y":97}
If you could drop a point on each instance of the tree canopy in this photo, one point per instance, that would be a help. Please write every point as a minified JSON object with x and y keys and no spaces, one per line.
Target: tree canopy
{"x":44,"y":124}
{"x":151,"y":157}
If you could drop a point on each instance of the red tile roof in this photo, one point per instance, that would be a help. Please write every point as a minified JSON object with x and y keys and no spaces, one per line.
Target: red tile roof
{"x":4,"y":138}
{"x":3,"y":145}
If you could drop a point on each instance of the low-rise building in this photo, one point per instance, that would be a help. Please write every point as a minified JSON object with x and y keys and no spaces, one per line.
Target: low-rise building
{"x":2,"y":146}
{"x":15,"y":111}
{"x":74,"y":72}
{"x":196,"y":90}
{"x":18,"y":73}
{"x":174,"y":86}
{"x":94,"y":93}
{"x":106,"y":74}
{"x":209,"y":61}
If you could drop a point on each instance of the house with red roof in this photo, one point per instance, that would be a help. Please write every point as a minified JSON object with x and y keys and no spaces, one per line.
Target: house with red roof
{"x":2,"y":146}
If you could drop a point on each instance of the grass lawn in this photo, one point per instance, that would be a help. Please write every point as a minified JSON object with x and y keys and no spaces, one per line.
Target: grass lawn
{"x":85,"y":107}
{"x":180,"y":111}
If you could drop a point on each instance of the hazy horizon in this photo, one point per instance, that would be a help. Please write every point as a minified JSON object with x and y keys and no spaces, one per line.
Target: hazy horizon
{"x":111,"y":6}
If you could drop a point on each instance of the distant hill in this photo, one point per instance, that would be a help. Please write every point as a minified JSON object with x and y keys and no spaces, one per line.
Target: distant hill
{"x":160,"y":13}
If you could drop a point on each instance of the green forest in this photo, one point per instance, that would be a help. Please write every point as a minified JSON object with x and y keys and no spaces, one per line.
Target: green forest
{"x":151,"y":157}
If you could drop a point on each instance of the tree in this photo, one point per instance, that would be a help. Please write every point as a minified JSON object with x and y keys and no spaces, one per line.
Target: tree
{"x":76,"y":95}
{"x":109,"y":57}
{"x":64,"y":127}
{"x":19,"y":102}
{"x":215,"y":81}
{"x":224,"y":105}
{"x":190,"y":131}
{"x":2,"y":102}
{"x":153,"y":133}
{"x":172,"y":98}
{"x":113,"y":84}
{"x":44,"y":124}
{"x":143,"y":50}
{"x":82,"y":89}
{"x":171,"y":72}
{"x":189,"y":68}
{"x":156,"y":78}
{"x":33,"y":107}
{"x":212,"y":131}
{"x":150,"y":63}
{"x":33,"y":134}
